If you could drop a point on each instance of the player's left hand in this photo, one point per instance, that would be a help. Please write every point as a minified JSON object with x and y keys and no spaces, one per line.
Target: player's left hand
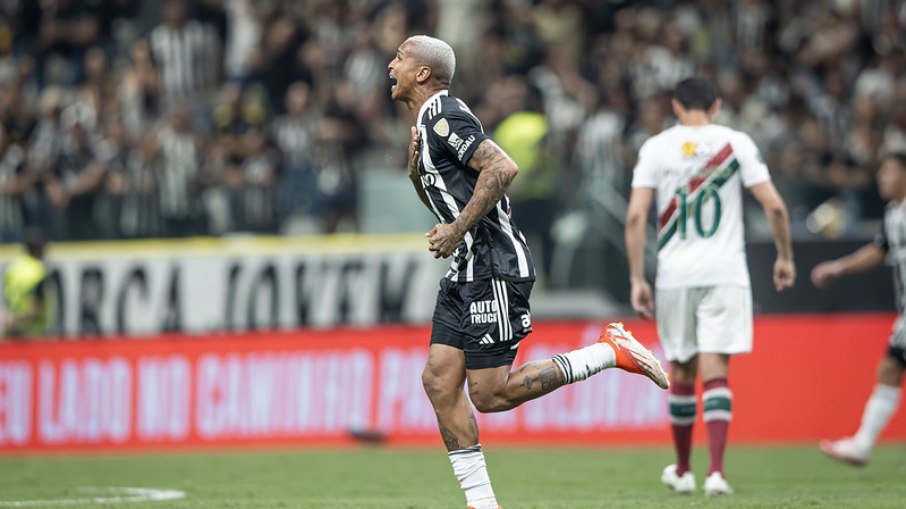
{"x":784,"y":274}
{"x":443,"y":239}
{"x":414,"y":151}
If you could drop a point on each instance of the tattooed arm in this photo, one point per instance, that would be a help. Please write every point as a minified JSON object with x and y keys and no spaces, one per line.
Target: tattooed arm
{"x":496,"y":170}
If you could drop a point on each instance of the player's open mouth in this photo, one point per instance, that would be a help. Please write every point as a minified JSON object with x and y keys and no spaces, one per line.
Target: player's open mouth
{"x":393,"y":82}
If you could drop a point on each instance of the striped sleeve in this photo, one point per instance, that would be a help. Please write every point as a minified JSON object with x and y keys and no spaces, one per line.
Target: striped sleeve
{"x":463,"y":134}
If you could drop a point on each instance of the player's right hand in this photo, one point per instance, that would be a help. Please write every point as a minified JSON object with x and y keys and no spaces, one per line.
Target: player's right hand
{"x":784,"y":274}
{"x":642,"y":300}
{"x":414,"y":151}
{"x":824,"y":273}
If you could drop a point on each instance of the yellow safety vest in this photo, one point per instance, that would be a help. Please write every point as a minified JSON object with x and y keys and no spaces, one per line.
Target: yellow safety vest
{"x":20,"y":285}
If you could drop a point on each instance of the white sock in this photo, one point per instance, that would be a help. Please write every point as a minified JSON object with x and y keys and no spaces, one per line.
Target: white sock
{"x":880,"y":407}
{"x":472,"y":474}
{"x":584,"y":362}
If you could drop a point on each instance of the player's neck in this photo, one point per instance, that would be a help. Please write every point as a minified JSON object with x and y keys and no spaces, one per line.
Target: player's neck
{"x":419,"y":96}
{"x":695,"y":118}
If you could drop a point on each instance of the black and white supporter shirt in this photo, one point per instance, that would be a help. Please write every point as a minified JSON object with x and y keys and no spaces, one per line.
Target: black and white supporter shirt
{"x":494,"y":247}
{"x":892,"y":239}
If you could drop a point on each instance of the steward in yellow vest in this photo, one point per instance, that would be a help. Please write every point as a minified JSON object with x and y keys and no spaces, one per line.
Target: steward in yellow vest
{"x":25,"y":308}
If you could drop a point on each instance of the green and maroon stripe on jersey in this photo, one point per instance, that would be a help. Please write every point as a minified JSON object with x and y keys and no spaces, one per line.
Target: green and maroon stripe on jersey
{"x":667,"y":222}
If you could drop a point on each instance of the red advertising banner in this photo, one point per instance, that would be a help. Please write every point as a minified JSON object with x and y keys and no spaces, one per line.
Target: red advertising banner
{"x":807,"y":379}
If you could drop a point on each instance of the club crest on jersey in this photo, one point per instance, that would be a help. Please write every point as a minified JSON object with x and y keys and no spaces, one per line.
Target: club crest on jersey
{"x":442,"y":128}
{"x":484,"y":311}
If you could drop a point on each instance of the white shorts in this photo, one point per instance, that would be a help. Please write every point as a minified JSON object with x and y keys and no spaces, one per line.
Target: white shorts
{"x":712,"y":319}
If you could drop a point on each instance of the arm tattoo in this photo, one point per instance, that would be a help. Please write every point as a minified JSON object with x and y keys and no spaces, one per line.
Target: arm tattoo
{"x":450,"y":438}
{"x":496,"y":172}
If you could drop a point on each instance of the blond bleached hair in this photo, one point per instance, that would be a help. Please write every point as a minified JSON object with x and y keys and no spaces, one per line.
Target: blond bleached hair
{"x":437,"y":55}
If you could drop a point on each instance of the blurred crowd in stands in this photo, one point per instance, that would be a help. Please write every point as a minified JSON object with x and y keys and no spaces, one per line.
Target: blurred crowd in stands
{"x":146,"y":118}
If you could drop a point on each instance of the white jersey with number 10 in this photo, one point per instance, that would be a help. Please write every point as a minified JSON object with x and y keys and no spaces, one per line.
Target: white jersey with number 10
{"x":698,"y":174}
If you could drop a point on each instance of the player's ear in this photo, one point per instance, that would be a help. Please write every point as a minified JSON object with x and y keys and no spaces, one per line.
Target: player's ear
{"x":714,"y":109}
{"x":423,"y":74}
{"x":678,"y":109}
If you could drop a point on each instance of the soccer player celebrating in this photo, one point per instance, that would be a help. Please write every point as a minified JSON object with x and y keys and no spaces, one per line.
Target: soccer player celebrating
{"x":884,"y":400}
{"x":703,"y":300}
{"x":482,"y":310}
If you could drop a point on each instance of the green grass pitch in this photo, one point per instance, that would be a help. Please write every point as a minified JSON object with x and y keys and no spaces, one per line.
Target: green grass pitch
{"x":380,"y":478}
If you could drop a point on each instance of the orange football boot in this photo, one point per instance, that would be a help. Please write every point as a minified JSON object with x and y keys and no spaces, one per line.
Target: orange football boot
{"x":632,"y":356}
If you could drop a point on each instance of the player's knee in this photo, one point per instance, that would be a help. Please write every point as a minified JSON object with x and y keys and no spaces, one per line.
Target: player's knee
{"x":490,"y":403}
{"x":890,"y":371}
{"x":437,"y":387}
{"x":684,"y":372}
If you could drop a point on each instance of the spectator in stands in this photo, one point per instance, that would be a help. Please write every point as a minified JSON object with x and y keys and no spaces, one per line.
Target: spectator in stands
{"x":181,"y":152}
{"x":14,"y":182}
{"x":256,"y":198}
{"x":294,"y":135}
{"x":338,"y":136}
{"x":77,"y":173}
{"x":187,"y":54}
{"x":601,"y":66}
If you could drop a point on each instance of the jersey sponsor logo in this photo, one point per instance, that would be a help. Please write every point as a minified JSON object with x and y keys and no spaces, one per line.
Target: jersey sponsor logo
{"x":465,"y":146}
{"x":484,"y":311}
{"x":688,"y":149}
{"x":455,"y":141}
{"x":442,"y":127}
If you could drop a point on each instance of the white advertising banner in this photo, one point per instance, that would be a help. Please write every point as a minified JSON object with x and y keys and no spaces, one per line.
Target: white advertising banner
{"x":206,"y":285}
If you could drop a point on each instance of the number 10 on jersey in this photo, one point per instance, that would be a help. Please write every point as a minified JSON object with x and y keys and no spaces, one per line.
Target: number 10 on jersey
{"x":695,"y":208}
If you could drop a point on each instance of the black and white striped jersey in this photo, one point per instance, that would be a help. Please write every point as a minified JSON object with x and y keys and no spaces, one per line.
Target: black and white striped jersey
{"x":893,"y":240}
{"x":187,"y":58}
{"x":494,"y":247}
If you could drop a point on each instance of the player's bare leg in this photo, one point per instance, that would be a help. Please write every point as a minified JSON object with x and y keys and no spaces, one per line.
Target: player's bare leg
{"x":683,"y":410}
{"x":500,"y":389}
{"x":443,"y":378}
{"x":717,"y":412}
{"x":879,"y":409}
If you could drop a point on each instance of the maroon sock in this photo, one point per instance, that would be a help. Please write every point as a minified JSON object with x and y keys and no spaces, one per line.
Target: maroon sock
{"x":717,"y":411}
{"x":682,"y":418}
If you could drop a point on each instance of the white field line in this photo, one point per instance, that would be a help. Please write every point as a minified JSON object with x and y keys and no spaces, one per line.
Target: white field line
{"x":115,"y":496}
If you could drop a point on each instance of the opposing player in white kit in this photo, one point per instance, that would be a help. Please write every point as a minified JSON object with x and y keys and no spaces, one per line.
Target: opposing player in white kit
{"x":885,"y":398}
{"x":696,"y":171}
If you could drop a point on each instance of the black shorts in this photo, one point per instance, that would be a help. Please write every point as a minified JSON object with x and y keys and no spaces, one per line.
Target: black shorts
{"x":467,"y":317}
{"x":898,"y":354}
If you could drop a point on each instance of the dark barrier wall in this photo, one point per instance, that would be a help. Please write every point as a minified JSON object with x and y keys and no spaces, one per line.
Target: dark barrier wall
{"x":869,"y":291}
